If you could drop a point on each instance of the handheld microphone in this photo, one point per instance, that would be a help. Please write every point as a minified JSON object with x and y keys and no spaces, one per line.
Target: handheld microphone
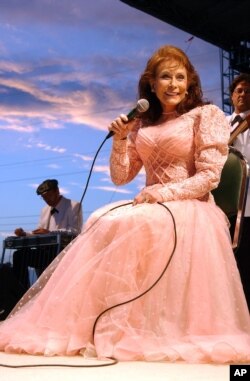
{"x":141,"y":106}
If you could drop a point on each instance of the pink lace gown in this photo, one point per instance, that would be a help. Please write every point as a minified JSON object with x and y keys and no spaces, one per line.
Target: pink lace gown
{"x":196,"y":312}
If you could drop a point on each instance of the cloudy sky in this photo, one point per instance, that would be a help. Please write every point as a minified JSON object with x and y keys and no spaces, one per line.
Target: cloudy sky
{"x":67,"y":68}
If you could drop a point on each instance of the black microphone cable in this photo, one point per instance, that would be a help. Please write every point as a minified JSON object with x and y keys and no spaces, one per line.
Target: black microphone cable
{"x":90,"y":173}
{"x":91,"y":169}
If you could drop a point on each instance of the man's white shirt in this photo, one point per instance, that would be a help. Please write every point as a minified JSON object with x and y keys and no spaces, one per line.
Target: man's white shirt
{"x":68,"y":218}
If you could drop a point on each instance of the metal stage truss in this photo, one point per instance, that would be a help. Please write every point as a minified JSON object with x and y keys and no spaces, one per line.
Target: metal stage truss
{"x":223,"y":23}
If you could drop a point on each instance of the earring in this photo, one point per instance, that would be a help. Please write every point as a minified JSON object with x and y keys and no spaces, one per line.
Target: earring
{"x":152,"y":89}
{"x":186,"y":92}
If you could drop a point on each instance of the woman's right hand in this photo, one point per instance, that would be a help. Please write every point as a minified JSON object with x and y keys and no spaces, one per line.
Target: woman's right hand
{"x":120,"y":127}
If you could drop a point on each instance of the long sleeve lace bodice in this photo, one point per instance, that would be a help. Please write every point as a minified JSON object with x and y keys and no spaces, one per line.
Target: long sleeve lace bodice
{"x":184,"y":155}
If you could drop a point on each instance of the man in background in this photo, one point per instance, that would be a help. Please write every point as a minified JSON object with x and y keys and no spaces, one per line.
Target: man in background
{"x":59,"y":215}
{"x":240,"y":97}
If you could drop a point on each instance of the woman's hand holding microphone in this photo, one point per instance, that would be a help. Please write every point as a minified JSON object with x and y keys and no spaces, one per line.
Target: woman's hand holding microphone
{"x":120,"y":127}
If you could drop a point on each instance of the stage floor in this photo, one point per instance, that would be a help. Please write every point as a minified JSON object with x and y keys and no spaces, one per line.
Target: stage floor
{"x":129,"y":371}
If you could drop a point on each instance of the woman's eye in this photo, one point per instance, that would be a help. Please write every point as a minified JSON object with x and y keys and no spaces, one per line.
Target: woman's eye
{"x":180,"y":78}
{"x":165,"y":76}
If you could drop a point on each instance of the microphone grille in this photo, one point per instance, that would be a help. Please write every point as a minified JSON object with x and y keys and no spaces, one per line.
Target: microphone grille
{"x":142,"y":105}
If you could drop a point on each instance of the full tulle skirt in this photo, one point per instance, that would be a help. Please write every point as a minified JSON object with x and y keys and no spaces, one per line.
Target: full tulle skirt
{"x":146,"y":282}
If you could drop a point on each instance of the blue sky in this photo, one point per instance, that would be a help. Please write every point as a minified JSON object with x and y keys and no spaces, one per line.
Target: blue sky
{"x":67,"y":68}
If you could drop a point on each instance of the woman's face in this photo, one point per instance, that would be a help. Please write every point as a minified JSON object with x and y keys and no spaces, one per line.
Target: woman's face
{"x":170,"y":84}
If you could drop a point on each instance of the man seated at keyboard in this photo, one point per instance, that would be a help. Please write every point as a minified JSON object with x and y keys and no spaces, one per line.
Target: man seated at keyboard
{"x":59,"y":215}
